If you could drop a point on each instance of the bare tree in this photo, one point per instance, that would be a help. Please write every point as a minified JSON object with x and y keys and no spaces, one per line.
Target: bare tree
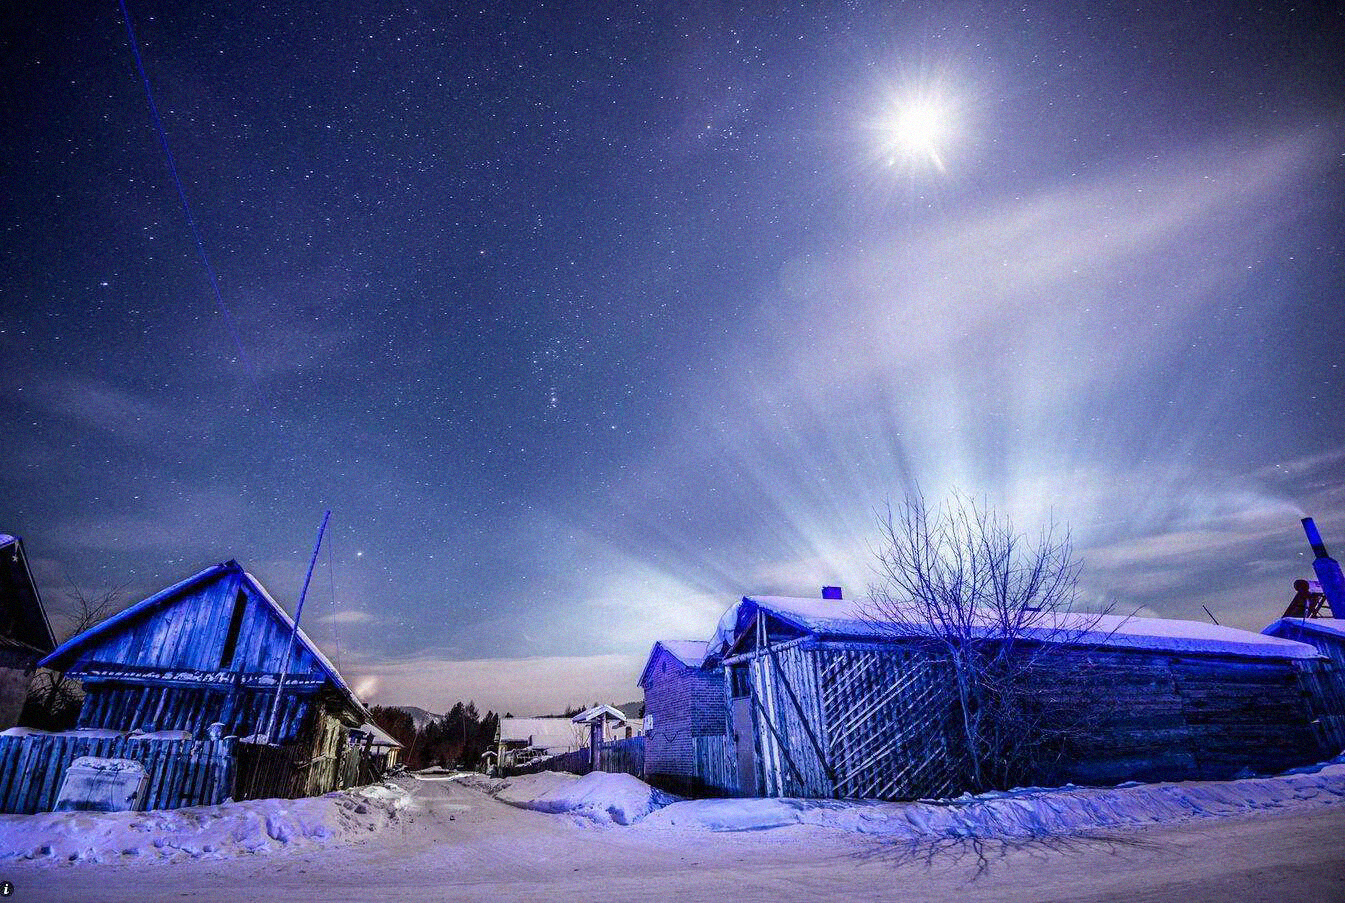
{"x":1000,"y":610}
{"x":54,"y":700}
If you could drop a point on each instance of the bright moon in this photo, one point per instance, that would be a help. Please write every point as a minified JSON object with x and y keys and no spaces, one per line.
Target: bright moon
{"x":917,"y":131}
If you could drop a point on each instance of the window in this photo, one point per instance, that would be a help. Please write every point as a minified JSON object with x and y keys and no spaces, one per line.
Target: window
{"x":739,"y":687}
{"x":235,"y":626}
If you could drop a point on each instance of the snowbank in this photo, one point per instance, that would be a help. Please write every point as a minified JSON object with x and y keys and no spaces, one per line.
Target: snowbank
{"x":1019,"y":813}
{"x":201,"y":832}
{"x":598,"y":795}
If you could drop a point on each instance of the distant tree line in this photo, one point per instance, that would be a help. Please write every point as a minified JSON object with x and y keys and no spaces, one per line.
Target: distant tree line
{"x":455,"y":740}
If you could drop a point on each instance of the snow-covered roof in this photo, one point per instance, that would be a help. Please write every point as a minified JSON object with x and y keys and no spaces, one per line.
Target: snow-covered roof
{"x":64,"y":651}
{"x":543,"y":733}
{"x":599,"y":711}
{"x":691,"y":653}
{"x":380,"y":736}
{"x":849,"y":618}
{"x":1330,"y":627}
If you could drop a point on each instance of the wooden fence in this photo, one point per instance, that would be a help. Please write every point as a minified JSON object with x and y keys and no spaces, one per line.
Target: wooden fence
{"x":267,"y":772}
{"x":716,"y":763}
{"x":179,"y":772}
{"x":618,"y":756}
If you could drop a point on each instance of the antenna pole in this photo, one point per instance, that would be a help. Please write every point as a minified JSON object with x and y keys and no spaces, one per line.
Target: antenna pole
{"x":298,"y":611}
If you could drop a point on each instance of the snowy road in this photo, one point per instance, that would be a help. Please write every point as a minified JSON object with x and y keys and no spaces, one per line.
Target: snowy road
{"x":457,"y":843}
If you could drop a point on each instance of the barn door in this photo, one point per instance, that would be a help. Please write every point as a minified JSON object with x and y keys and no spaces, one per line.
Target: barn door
{"x":745,"y":742}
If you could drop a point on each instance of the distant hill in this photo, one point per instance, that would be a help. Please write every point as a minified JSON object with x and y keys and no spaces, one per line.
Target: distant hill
{"x":419,"y":715}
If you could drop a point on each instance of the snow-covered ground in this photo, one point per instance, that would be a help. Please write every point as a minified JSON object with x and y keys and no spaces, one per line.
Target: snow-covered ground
{"x":454,"y":837}
{"x":201,"y":832}
{"x":1033,"y":812}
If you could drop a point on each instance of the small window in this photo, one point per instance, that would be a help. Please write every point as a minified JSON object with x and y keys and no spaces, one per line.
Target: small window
{"x":235,"y":626}
{"x":739,"y":687}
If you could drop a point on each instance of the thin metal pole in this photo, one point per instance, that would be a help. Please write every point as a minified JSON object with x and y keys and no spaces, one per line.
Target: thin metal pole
{"x":298,"y":611}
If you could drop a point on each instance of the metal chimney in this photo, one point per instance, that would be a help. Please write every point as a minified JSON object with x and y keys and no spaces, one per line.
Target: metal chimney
{"x":834,"y":592}
{"x":1328,"y":570}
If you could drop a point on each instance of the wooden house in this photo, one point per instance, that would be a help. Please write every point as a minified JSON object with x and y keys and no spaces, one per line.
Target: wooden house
{"x":684,"y":700}
{"x":210,"y":651}
{"x":1326,"y":635}
{"x":25,"y":634}
{"x":825,"y":701}
{"x":520,"y":741}
{"x":384,"y":749}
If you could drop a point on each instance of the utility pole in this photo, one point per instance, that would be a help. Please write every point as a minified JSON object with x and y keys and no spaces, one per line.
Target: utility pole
{"x":294,"y":634}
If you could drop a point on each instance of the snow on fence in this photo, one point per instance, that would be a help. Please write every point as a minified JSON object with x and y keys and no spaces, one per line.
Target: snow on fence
{"x":180,"y":772}
{"x":618,"y":757}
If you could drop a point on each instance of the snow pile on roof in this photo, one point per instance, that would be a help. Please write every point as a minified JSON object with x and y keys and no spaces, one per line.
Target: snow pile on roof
{"x":1332,"y":627}
{"x":201,"y":832}
{"x":850,"y":619}
{"x":599,"y":796}
{"x":1019,"y":813}
{"x":379,"y":737}
{"x":597,"y":712}
{"x":689,"y":652}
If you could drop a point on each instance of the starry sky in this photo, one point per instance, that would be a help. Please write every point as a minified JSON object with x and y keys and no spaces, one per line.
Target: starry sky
{"x":585,"y":319}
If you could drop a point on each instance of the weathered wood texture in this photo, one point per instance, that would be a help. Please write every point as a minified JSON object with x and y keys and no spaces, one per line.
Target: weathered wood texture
{"x":715,"y":766}
{"x":684,"y":703}
{"x":180,"y":772}
{"x":154,"y":705}
{"x":837,"y":719}
{"x":190,"y":633}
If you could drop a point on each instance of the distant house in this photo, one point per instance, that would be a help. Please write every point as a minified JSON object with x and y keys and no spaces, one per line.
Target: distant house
{"x":385,"y":750}
{"x":207,"y":651}
{"x":521,"y":741}
{"x":683,"y":700}
{"x":824,"y":701}
{"x":25,"y":634}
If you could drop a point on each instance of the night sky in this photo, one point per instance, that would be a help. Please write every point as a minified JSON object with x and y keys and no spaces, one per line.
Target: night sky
{"x":585,"y":319}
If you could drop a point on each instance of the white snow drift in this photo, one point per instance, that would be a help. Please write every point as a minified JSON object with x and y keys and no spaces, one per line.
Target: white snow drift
{"x":201,"y":832}
{"x":598,"y":795}
{"x":1020,"y":813}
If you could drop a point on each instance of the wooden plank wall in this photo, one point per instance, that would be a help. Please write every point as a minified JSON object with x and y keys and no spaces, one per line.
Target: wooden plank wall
{"x":180,"y":772}
{"x":716,"y":763}
{"x":152,"y":706}
{"x":883,"y":718}
{"x":1324,"y":685}
{"x":269,"y":772}
{"x":188,"y":632}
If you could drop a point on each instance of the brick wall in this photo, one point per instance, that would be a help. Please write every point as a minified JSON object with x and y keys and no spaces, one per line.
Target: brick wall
{"x":684,"y":703}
